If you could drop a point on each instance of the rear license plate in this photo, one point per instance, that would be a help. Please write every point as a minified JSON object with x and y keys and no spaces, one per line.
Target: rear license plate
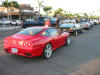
{"x":14,"y":50}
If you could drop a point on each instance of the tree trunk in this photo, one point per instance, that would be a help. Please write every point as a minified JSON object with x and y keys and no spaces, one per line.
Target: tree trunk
{"x":39,"y":7}
{"x":8,"y":13}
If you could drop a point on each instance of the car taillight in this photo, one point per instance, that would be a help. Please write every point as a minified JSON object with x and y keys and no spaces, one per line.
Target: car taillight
{"x":24,"y":44}
{"x":86,"y":24}
{"x":27,"y":44}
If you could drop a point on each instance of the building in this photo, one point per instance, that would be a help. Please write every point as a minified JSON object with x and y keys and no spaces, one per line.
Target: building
{"x":25,"y":11}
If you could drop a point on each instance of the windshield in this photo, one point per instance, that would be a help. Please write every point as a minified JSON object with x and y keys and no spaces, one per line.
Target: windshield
{"x":30,"y":31}
{"x":67,"y":21}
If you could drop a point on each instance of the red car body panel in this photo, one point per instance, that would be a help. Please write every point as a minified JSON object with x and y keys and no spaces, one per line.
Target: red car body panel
{"x":31,"y":46}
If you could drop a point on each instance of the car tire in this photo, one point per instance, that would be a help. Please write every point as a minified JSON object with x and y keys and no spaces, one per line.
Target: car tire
{"x":88,"y":28}
{"x":81,"y":31}
{"x":47,"y":53}
{"x":68,"y":41}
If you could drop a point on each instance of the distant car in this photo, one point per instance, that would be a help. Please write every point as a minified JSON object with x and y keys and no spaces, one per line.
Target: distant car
{"x":86,"y":25}
{"x":71,"y":27}
{"x":92,"y":23}
{"x":36,"y":41}
{"x":96,"y":22}
{"x":38,"y":22}
{"x":6,"y":22}
{"x":16,"y":22}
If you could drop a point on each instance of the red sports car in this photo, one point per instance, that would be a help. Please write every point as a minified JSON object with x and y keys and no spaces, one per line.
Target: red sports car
{"x":36,"y":41}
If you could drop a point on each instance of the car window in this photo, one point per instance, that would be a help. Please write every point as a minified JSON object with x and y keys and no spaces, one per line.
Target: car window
{"x":45,"y":33}
{"x":53,"y":32}
{"x":30,"y":31}
{"x":53,"y":19}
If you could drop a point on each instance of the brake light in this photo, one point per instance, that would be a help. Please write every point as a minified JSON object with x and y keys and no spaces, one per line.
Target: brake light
{"x":86,"y":24}
{"x":27,"y":44}
{"x":24,"y":44}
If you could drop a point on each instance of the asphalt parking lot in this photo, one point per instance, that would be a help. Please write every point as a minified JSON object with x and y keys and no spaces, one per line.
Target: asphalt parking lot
{"x":84,"y":48}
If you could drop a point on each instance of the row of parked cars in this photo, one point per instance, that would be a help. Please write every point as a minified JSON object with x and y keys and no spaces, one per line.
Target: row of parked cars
{"x":72,"y":26}
{"x":10,"y":22}
{"x":42,"y":41}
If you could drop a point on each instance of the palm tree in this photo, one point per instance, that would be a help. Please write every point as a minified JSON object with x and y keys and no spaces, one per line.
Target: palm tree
{"x":15,"y":5}
{"x":47,"y":9}
{"x":7,"y":5}
{"x":58,"y":12}
{"x":40,"y":5}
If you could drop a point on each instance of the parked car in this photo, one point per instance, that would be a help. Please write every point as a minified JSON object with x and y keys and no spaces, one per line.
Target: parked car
{"x":92,"y":23}
{"x":6,"y":22}
{"x":86,"y":25}
{"x":38,"y":22}
{"x":71,"y":27}
{"x":96,"y":22}
{"x":36,"y":41}
{"x":16,"y":22}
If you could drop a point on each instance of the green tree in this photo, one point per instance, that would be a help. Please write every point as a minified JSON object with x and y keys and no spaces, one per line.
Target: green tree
{"x":86,"y":15}
{"x":77,"y":15}
{"x":14,"y":4}
{"x":40,"y":5}
{"x":58,"y":12}
{"x":47,"y":9}
{"x":8,"y":5}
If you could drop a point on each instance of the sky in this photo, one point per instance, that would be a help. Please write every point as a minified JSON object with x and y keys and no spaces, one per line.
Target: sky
{"x":74,"y":6}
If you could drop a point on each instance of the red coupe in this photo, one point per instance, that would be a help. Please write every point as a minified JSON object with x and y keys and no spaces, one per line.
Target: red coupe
{"x":36,"y":41}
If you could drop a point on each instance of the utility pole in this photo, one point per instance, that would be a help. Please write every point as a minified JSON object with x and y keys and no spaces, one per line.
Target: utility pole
{"x":7,"y":9}
{"x":39,"y":6}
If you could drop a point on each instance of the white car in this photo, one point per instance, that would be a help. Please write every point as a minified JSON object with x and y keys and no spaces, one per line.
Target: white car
{"x":86,"y":25}
{"x":6,"y":22}
{"x":16,"y":22}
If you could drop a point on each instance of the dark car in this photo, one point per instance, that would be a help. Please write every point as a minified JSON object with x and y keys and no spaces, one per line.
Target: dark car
{"x":38,"y":22}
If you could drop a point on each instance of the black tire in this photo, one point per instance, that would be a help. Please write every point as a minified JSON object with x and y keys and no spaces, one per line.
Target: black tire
{"x":47,"y":53}
{"x":81,"y":31}
{"x":68,"y":41}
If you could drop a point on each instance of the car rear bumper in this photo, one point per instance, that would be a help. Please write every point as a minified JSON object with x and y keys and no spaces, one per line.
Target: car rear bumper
{"x":25,"y":52}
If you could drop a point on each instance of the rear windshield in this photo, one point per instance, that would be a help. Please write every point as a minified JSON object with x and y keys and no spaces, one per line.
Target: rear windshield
{"x":30,"y":31}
